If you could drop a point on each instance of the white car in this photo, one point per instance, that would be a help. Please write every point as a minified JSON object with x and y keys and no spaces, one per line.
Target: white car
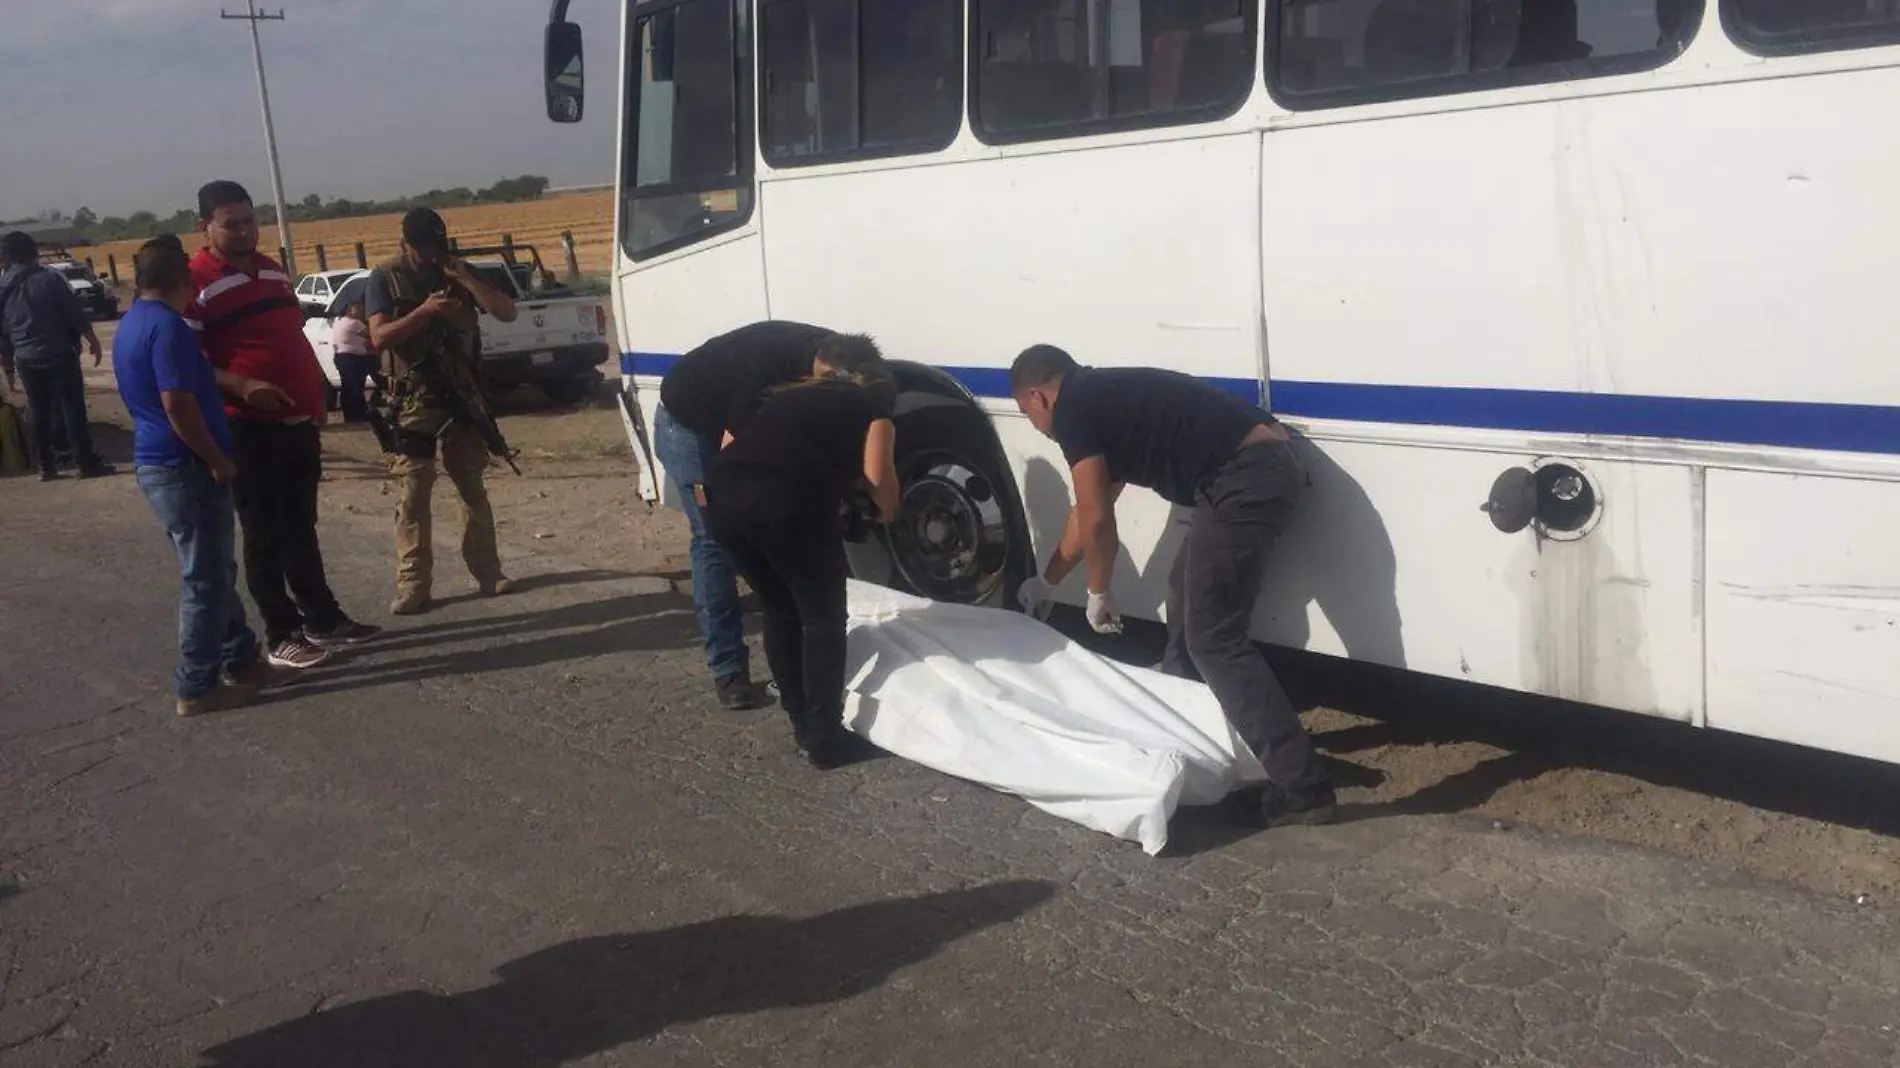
{"x":315,"y":291}
{"x":555,"y":345}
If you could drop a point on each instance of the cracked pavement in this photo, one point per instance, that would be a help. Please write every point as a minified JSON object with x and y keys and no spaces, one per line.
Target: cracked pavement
{"x":520,"y":832}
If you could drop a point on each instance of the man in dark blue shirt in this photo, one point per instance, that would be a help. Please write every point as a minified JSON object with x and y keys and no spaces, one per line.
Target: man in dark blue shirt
{"x":1233,"y":465}
{"x":182,"y":446}
{"x":44,"y":323}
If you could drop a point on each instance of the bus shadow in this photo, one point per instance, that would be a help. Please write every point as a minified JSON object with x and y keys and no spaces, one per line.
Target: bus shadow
{"x":1408,"y":713}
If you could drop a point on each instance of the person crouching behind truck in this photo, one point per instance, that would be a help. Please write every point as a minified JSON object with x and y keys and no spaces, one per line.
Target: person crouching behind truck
{"x":422,"y":311}
{"x":356,"y":362}
{"x":711,"y":389}
{"x":773,"y":498}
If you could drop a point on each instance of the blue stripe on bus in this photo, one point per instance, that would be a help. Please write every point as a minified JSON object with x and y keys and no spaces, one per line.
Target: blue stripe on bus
{"x":1788,"y":424}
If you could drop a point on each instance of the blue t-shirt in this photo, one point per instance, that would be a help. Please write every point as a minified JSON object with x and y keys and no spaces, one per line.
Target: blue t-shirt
{"x":153,"y":352}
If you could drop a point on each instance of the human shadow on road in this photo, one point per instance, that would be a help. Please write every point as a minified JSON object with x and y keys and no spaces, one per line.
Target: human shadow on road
{"x":530,"y":584}
{"x":590,"y":995}
{"x":587,"y":629}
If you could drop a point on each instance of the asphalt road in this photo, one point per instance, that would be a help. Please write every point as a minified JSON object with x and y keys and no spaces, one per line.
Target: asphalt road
{"x":519,"y":832}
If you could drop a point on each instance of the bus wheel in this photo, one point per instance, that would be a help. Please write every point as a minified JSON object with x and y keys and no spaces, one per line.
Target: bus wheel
{"x":959,"y":534}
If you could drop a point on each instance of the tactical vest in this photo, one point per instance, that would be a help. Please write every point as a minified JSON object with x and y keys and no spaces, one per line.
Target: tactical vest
{"x":451,"y":343}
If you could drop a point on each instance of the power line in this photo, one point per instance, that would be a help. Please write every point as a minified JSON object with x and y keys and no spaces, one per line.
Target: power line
{"x":254,"y":16}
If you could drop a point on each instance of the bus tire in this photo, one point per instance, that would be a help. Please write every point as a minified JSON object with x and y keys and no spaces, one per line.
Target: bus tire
{"x":960,"y":535}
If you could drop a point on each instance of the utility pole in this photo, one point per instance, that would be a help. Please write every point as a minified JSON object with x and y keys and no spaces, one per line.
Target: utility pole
{"x":253,"y":16}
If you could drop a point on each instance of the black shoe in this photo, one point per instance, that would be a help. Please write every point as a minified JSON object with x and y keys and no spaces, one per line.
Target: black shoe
{"x":348,"y":632}
{"x":49,"y":475}
{"x":97,"y":469}
{"x":838,"y":749}
{"x":737,"y":694}
{"x":1276,"y":807}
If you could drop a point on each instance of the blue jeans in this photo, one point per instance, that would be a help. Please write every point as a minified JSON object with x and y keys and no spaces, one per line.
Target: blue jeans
{"x":201,"y":519}
{"x":715,"y":590}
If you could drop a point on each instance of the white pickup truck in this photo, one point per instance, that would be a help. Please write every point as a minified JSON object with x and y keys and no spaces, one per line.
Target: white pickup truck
{"x":557,"y":344}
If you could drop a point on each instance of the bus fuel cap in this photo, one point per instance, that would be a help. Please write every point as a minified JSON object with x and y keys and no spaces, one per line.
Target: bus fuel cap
{"x":1513,"y":501}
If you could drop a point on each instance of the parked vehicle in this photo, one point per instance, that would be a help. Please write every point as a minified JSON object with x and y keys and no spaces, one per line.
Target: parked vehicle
{"x":315,"y":290}
{"x":557,"y":344}
{"x":93,"y":292}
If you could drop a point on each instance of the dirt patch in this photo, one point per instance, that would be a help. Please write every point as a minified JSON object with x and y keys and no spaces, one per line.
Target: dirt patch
{"x":577,"y":496}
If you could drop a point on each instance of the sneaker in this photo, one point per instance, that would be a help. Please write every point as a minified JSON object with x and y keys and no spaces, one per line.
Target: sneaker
{"x":98,"y":469}
{"x":297,"y":653}
{"x":49,"y":474}
{"x":1283,"y":808}
{"x":348,"y":632}
{"x":737,"y":693}
{"x":498,"y":588}
{"x":223,"y":699}
{"x":410,"y":604}
{"x":838,"y":749}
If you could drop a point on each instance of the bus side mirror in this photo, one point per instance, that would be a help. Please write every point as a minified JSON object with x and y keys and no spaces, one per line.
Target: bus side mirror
{"x":562,"y":72}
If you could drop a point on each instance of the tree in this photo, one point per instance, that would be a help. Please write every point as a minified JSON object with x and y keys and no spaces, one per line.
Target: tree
{"x":84,"y":219}
{"x":313,"y":202}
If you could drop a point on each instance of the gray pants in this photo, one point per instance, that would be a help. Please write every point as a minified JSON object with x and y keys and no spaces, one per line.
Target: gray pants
{"x":1211,"y":595}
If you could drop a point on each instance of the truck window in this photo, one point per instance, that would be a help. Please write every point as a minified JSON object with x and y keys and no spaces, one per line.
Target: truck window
{"x":1783,"y":26}
{"x":1331,"y":52}
{"x":849,"y":79}
{"x":1060,"y":68}
{"x":689,"y":168}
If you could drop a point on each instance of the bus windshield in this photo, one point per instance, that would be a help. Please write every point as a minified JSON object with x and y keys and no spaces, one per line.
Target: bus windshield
{"x":688,"y":167}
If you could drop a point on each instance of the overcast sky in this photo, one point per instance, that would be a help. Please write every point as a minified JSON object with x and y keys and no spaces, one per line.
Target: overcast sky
{"x":122,"y":105}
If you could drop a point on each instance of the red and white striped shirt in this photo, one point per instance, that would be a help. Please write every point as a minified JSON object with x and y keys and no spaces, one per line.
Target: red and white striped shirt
{"x":251,"y":325}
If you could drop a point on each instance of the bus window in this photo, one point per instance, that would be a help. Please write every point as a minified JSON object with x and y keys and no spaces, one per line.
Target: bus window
{"x":1330,"y":52}
{"x":1781,"y":26}
{"x":858,"y":78}
{"x":689,"y":160}
{"x":1059,"y":68}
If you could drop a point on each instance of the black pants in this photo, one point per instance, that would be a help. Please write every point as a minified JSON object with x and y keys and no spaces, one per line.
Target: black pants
{"x":1211,"y":595}
{"x":279,"y":466}
{"x":793,"y":557}
{"x":57,"y":396}
{"x":354,"y":369}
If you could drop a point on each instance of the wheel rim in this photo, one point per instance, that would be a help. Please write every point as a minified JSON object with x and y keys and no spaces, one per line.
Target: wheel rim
{"x":951,"y":538}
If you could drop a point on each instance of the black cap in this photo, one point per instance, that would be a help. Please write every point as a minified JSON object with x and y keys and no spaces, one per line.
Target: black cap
{"x":425,"y":232}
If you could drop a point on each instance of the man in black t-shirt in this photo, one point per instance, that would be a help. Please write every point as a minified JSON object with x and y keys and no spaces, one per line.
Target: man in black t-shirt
{"x":1232,"y":464}
{"x":710,"y":392}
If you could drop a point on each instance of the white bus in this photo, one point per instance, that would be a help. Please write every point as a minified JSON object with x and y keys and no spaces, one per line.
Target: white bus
{"x":1585,"y":309}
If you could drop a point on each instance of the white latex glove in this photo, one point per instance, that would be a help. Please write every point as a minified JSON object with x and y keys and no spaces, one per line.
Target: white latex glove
{"x":1033,"y":595}
{"x":1105,"y":616}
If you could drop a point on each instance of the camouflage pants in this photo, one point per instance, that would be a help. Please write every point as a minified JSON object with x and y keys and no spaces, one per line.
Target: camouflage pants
{"x":464,"y":458}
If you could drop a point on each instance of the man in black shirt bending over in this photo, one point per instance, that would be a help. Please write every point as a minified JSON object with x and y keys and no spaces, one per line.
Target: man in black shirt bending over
{"x":711,"y":390}
{"x":1231,"y":463}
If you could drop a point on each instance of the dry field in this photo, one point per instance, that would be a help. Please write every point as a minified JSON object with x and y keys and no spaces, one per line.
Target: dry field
{"x":588,"y":216}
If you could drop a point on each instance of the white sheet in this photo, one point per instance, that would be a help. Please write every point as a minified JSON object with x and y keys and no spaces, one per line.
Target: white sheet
{"x":1000,"y":699}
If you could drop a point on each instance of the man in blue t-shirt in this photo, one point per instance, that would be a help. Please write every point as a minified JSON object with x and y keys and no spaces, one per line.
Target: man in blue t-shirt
{"x":182,"y":449}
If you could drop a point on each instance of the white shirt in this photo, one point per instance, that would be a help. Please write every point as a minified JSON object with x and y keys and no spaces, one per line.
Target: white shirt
{"x":351,"y":337}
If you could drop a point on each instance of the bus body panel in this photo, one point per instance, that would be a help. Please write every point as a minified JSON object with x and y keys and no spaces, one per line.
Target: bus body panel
{"x":1139,"y":256}
{"x":1721,"y":241}
{"x":1391,"y":561}
{"x":1804,"y":610}
{"x":670,"y":304}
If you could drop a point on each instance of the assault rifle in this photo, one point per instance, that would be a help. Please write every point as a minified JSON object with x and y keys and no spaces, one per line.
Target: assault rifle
{"x":462,"y":409}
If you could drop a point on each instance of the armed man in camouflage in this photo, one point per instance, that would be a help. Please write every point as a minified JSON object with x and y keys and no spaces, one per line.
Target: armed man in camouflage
{"x":422,"y":309}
